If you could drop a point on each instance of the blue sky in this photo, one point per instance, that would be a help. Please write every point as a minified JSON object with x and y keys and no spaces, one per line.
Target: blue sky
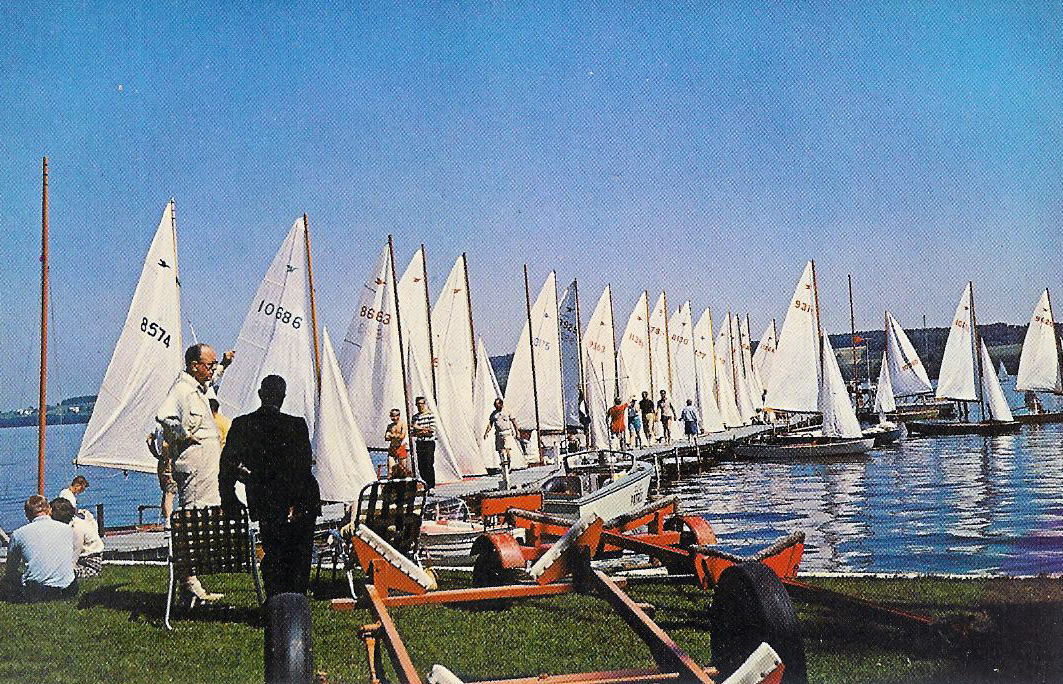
{"x":706,"y":149}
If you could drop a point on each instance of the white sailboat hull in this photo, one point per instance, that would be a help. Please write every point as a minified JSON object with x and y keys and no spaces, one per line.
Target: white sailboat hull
{"x":628,"y":493}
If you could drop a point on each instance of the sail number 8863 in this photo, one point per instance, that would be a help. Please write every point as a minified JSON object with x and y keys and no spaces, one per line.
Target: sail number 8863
{"x":155,"y":331}
{"x":280,"y":313}
{"x":375,"y":315}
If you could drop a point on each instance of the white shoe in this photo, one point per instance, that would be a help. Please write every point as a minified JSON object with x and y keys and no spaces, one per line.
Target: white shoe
{"x":198,"y":591}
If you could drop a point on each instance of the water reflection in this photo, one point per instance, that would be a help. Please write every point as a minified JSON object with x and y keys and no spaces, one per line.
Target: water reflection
{"x":967,"y":504}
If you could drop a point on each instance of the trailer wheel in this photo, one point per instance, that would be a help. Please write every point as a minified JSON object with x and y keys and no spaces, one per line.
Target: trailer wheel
{"x":498,"y":560}
{"x":288,"y":654}
{"x":750,"y":605}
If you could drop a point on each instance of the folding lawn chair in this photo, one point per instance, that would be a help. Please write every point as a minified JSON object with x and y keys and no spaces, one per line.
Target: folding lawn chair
{"x":204,"y":541}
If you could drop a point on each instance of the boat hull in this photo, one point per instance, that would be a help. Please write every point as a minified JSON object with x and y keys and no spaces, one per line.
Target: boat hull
{"x":1038,"y":418}
{"x":614,"y":499}
{"x":793,"y":450}
{"x":943,"y":428}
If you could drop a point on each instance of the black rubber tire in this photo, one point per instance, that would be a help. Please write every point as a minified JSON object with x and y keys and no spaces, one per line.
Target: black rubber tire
{"x":750,"y":605}
{"x":288,"y":654}
{"x":686,"y":542}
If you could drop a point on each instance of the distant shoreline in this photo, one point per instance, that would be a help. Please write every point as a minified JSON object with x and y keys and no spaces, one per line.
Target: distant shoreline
{"x":32,"y":420}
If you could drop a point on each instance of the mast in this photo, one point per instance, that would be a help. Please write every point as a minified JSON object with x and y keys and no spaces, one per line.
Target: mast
{"x":649,"y":347}
{"x":560,"y":359}
{"x":612,"y":335}
{"x":313,"y":303}
{"x":886,"y":354}
{"x":819,"y":325}
{"x":428,"y":317}
{"x":402,"y":353}
{"x":715,"y":369}
{"x":580,"y":383}
{"x":734,"y":369}
{"x":468,"y":301}
{"x":852,"y":326}
{"x":976,"y":341}
{"x":1052,"y":323}
{"x":667,"y":346}
{"x":531,"y":347}
{"x":42,"y":420}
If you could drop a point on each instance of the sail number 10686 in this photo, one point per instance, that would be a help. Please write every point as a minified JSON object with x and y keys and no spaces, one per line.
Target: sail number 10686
{"x":280,"y":313}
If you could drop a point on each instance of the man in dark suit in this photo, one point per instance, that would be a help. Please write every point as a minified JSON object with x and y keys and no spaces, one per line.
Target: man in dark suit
{"x":269,"y":452}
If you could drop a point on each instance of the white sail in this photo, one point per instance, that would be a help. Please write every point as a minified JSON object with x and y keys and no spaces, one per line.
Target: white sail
{"x":764,"y":356}
{"x":342,"y":459}
{"x":598,"y":395}
{"x":276,"y":337}
{"x":568,"y":320}
{"x":956,"y":380}
{"x":447,"y":468}
{"x":633,"y":352}
{"x":1039,"y":368}
{"x":520,"y":399}
{"x":726,"y":376}
{"x":743,"y":394}
{"x":705,"y":371}
{"x":452,"y":326}
{"x":456,"y":415}
{"x":146,"y":359}
{"x":992,"y":393}
{"x":369,"y":355}
{"x":681,"y":339}
{"x":413,"y":305}
{"x":907,"y":374}
{"x":794,"y":381}
{"x":884,"y":397}
{"x":599,"y":353}
{"x":1002,"y":373}
{"x":754,"y":391}
{"x":839,"y":418}
{"x":660,"y":349}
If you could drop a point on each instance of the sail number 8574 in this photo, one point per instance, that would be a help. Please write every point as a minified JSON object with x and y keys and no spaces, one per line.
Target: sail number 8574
{"x":280,"y":313}
{"x":155,"y":331}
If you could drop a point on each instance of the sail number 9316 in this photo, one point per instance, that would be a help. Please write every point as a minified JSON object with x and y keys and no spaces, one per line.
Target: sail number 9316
{"x":155,"y":331}
{"x":280,"y":313}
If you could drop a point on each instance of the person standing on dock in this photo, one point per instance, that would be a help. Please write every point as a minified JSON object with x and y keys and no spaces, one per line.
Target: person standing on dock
{"x":634,"y":423}
{"x":690,"y":419}
{"x":616,"y":422}
{"x":398,"y":455}
{"x":666,"y":412}
{"x":270,"y":453}
{"x":502,"y":421}
{"x":77,"y":487}
{"x":648,"y":416}
{"x":423,"y":429}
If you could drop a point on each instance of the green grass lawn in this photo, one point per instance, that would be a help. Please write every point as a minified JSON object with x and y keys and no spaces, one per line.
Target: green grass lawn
{"x":989,"y":631}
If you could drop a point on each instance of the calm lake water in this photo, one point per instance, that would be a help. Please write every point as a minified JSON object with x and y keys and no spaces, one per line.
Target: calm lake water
{"x":947,"y":505}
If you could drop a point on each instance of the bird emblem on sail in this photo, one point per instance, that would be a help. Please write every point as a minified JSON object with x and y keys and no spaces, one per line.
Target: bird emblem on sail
{"x":290,"y":269}
{"x":162,"y":262}
{"x":381,"y":281}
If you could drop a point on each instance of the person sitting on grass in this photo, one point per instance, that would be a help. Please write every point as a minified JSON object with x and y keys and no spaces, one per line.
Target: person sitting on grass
{"x":40,"y":560}
{"x":86,"y":538}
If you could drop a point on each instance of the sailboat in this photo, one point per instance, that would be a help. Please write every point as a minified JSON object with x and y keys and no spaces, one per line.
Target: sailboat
{"x":146,"y":359}
{"x":600,"y":374}
{"x":534,"y":387}
{"x":705,"y":374}
{"x":967,"y":375}
{"x":633,"y":352}
{"x":806,"y":379}
{"x":1039,"y":364}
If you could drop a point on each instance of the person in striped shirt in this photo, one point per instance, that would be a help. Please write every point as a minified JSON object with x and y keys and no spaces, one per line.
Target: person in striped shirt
{"x":423,"y":429}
